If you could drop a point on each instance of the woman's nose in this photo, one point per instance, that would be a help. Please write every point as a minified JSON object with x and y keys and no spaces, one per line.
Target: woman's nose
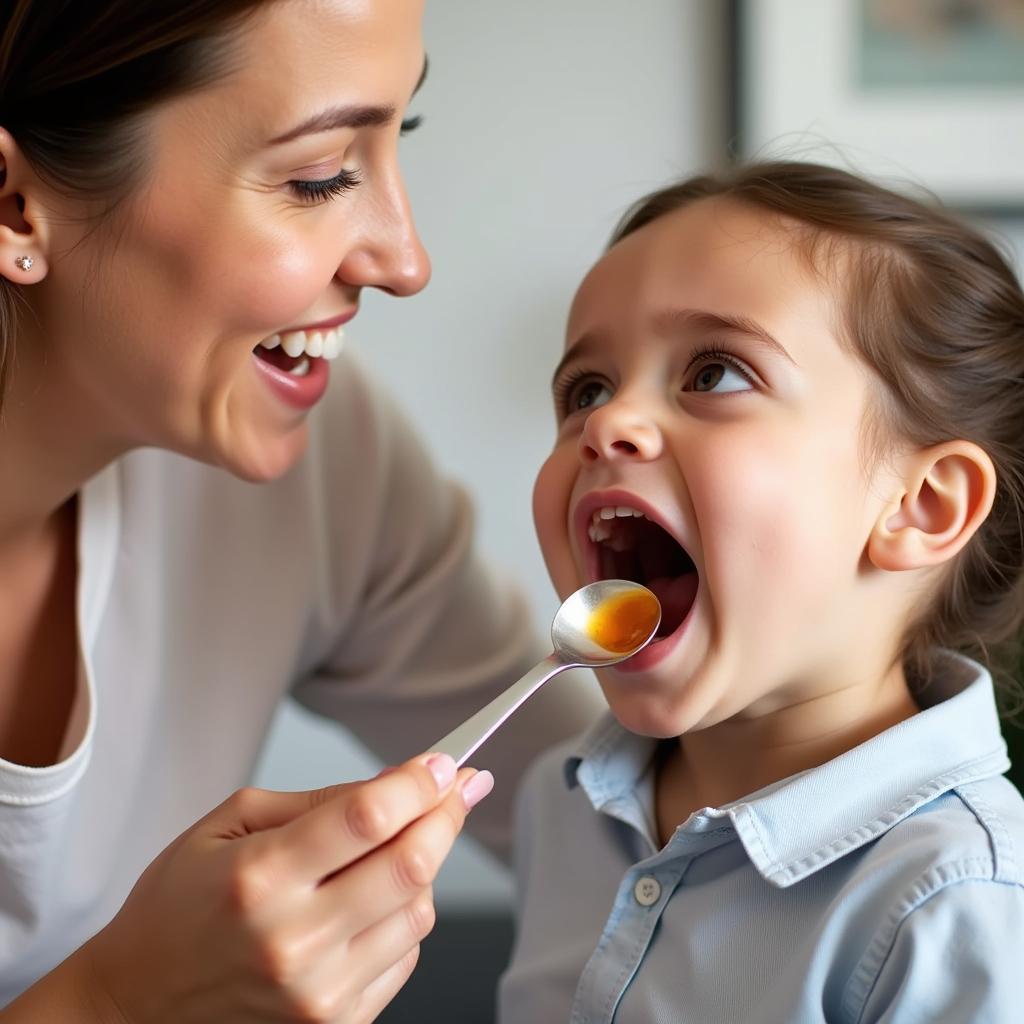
{"x":389,"y":254}
{"x":620,"y":430}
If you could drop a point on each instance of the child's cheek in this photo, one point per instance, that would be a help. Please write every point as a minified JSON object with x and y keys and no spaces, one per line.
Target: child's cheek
{"x":551,"y":493}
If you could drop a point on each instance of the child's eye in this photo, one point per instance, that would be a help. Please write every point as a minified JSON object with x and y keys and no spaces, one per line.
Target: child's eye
{"x":589,"y":396}
{"x":320,"y":190}
{"x":717,"y":372}
{"x":580,"y":392}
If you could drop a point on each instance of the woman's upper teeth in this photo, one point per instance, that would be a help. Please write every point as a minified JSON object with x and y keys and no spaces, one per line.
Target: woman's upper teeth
{"x":600,"y":528}
{"x":315,"y":344}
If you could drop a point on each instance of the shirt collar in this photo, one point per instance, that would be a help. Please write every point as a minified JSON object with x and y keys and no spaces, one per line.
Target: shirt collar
{"x":797,"y":825}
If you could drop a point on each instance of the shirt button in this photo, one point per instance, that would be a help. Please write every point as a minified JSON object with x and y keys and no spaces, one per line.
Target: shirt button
{"x":647,"y":890}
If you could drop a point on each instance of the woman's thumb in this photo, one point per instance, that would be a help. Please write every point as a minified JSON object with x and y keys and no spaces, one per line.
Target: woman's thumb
{"x":251,"y":810}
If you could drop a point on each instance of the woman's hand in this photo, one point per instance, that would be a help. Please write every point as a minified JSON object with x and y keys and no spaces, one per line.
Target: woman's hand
{"x":286,"y":906}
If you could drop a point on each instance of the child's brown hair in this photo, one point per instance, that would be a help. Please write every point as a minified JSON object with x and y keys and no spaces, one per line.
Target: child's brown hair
{"x":936,"y":311}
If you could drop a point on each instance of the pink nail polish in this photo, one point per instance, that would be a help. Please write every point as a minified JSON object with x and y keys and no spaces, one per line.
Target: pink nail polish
{"x":477,"y":788}
{"x":442,"y":767}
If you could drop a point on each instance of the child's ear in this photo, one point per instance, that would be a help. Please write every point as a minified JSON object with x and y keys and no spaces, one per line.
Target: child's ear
{"x":946,"y":493}
{"x":23,"y":222}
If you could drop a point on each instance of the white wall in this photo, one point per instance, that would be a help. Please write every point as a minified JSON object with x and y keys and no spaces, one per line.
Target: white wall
{"x":543,"y":120}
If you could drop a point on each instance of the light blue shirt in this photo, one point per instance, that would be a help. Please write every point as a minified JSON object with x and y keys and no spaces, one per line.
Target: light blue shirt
{"x":885,"y":885}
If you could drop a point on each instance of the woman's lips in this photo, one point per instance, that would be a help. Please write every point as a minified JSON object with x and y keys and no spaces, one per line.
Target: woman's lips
{"x":305,"y":390}
{"x":299,"y":392}
{"x":321,"y":325}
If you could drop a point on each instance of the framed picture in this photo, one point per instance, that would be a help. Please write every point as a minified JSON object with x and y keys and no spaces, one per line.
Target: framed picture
{"x":925,"y":91}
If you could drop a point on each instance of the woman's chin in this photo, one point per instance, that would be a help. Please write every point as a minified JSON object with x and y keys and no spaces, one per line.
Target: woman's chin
{"x":260,"y":458}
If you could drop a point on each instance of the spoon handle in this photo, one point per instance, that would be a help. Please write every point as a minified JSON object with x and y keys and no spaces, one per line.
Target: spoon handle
{"x":461,"y":742}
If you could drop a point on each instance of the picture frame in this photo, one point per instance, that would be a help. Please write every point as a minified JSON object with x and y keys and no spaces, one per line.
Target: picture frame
{"x":935,"y":102}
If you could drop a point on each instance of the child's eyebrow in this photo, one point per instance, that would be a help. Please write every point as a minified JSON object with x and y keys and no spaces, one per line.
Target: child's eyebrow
{"x":674,"y":321}
{"x":670,"y":321}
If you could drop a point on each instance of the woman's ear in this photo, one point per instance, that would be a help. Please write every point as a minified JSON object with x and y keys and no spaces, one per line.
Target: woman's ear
{"x":946,"y":493}
{"x":23,"y":224}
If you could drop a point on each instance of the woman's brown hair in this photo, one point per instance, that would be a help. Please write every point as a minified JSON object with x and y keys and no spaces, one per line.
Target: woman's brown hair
{"x":934,"y":308}
{"x":77,"y":78}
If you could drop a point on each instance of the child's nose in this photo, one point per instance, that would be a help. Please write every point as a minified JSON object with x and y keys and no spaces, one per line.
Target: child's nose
{"x":620,"y":430}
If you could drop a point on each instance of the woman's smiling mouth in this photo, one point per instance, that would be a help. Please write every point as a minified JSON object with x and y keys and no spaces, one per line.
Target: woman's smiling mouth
{"x":294,"y":362}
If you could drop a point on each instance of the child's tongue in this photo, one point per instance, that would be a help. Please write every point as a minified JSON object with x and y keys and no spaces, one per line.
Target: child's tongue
{"x":676,"y":594}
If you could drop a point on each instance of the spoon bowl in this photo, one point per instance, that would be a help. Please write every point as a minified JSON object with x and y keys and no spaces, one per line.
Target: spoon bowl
{"x":600,"y":624}
{"x":604,"y":623}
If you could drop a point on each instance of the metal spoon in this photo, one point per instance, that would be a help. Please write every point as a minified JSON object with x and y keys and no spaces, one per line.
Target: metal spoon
{"x":601,"y":624}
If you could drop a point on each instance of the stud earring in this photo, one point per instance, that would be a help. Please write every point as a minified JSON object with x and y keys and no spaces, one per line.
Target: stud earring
{"x":24,"y":262}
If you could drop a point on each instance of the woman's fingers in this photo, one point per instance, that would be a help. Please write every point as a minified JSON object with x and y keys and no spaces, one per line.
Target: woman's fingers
{"x":379,"y":994}
{"x":343,"y":823}
{"x":287,"y":903}
{"x":382,"y":884}
{"x":340,"y":979}
{"x":354,"y":942}
{"x":388,"y":881}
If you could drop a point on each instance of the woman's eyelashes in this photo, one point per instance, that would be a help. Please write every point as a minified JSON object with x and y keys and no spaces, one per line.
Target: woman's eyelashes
{"x":318,"y":190}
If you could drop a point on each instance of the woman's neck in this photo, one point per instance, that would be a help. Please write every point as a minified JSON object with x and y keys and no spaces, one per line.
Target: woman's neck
{"x":50,"y":445}
{"x":724,"y":762}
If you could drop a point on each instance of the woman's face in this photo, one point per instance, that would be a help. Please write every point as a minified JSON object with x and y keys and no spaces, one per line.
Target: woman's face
{"x":272,"y":198}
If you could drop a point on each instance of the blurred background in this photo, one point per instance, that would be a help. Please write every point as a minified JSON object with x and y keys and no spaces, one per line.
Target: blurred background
{"x":542,"y":122}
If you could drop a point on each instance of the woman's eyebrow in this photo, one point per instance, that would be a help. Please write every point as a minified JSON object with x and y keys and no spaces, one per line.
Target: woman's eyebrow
{"x":669,"y":321}
{"x":351,"y":116}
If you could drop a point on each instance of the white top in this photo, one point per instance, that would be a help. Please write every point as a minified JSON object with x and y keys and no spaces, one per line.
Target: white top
{"x":201,"y":601}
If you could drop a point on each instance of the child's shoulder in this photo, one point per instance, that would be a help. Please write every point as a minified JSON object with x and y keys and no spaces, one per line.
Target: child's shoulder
{"x":973,"y":831}
{"x":948,"y":877}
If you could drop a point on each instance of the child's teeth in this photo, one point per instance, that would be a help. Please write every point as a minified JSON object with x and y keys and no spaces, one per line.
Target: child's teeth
{"x":315,"y":345}
{"x":600,"y":529}
{"x":300,"y":369}
{"x":272,"y":342}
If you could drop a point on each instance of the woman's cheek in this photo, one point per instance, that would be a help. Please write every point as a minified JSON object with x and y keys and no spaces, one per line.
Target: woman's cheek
{"x":280,"y":285}
{"x":551,"y":494}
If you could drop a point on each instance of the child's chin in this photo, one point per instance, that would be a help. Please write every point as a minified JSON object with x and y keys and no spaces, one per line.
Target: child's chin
{"x":648,"y":714}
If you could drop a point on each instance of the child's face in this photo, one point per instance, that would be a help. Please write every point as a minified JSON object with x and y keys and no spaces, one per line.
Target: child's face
{"x":704,"y":385}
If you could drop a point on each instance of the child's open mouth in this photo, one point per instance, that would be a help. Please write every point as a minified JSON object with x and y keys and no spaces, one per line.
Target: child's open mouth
{"x":630,"y":546}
